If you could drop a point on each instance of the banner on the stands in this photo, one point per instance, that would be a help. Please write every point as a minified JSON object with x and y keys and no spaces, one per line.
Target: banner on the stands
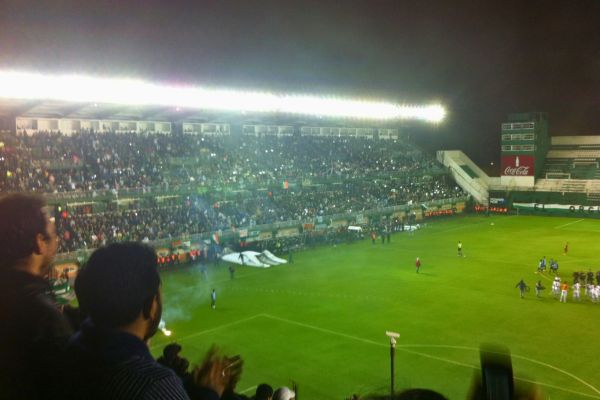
{"x":287,"y":232}
{"x":574,"y":208}
{"x":308,"y":227}
{"x":338,"y":223}
{"x":162,"y":252}
{"x":265,"y":235}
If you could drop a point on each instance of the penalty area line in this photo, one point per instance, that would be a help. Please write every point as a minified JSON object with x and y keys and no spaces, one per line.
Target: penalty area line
{"x":404,"y":349}
{"x":248,"y":389}
{"x":567,"y":224}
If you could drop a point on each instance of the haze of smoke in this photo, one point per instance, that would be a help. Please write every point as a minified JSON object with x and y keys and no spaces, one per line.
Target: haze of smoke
{"x":180,"y":299}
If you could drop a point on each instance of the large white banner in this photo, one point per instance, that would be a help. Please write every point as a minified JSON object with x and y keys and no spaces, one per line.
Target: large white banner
{"x":556,"y":207}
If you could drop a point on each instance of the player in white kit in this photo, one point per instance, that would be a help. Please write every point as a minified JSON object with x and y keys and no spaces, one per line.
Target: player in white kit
{"x":577,"y":291}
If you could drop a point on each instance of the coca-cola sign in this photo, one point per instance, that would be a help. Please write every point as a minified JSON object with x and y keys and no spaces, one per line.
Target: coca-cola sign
{"x":517,"y":165}
{"x":518,"y":171}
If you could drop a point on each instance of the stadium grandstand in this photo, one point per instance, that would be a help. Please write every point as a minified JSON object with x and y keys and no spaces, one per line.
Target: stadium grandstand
{"x":117,"y":172}
{"x":274,"y":175}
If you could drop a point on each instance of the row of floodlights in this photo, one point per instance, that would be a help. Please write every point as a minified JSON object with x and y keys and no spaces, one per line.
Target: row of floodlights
{"x":86,"y":89}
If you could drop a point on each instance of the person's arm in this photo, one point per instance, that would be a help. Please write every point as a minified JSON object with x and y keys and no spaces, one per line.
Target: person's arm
{"x":209,"y":378}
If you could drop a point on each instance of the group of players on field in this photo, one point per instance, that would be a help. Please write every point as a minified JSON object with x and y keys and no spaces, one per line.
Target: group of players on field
{"x":560,"y":289}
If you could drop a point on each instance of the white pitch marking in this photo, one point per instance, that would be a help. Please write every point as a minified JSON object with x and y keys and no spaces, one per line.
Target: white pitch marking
{"x":514,"y":356}
{"x":249,"y":389}
{"x":403,"y":348}
{"x":567,"y":224}
{"x":241,"y":321}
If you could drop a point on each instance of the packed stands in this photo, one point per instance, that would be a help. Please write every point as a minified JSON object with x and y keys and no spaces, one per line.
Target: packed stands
{"x":189,"y":183}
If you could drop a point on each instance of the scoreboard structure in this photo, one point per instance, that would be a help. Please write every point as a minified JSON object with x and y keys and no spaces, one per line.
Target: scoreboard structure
{"x":525,"y":142}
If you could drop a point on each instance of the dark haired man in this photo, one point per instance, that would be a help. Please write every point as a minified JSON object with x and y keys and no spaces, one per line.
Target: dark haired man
{"x":33,"y":331}
{"x":119,"y":289}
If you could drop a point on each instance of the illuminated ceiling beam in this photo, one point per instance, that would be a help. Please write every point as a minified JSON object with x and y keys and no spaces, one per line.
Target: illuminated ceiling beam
{"x":79,"y":88}
{"x":67,"y":111}
{"x":26,"y":107}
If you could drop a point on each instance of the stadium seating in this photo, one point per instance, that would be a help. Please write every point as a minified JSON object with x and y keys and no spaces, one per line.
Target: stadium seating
{"x":575,"y":158}
{"x":242,"y":181}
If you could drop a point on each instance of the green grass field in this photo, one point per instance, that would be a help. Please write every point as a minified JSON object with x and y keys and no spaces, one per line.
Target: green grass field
{"x":321,"y":322}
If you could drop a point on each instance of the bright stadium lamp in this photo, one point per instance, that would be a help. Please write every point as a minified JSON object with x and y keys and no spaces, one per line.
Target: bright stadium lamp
{"x":86,"y":89}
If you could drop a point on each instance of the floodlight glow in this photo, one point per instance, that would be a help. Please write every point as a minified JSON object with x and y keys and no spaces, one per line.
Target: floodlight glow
{"x":85,"y":89}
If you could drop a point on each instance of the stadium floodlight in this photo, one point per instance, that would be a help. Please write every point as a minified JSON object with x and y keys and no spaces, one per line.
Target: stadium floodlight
{"x":86,"y":89}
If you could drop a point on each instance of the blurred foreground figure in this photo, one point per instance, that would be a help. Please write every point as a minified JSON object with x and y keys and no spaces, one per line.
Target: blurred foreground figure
{"x":33,"y":332}
{"x":495,"y":380}
{"x":284,"y":393}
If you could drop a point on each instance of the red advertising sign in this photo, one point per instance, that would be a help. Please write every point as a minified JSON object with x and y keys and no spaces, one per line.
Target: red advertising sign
{"x":517,"y":165}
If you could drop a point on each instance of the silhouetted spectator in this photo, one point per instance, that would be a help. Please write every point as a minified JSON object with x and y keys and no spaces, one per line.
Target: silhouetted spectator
{"x":119,"y":289}
{"x":32,"y":331}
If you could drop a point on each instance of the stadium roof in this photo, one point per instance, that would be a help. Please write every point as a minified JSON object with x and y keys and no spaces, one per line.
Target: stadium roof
{"x":75,"y":110}
{"x":76,"y":96}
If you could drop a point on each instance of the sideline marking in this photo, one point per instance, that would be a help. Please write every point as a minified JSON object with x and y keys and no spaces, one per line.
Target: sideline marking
{"x":545,"y":277}
{"x":181,"y":339}
{"x":404,"y":349}
{"x":515,"y":356}
{"x":248,"y":389}
{"x":567,"y":224}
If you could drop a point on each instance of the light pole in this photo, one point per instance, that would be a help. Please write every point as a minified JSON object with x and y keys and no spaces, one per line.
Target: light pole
{"x":393,"y":336}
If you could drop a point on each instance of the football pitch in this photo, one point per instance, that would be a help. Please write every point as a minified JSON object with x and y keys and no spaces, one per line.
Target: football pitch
{"x":321,"y":321}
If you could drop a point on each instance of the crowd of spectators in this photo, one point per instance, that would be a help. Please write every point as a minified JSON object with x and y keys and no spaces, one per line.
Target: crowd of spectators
{"x":197,"y":215}
{"x":50,"y":162}
{"x":356,"y":175}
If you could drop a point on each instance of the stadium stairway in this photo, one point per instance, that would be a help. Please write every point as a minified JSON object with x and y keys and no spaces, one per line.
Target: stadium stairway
{"x":466,"y":174}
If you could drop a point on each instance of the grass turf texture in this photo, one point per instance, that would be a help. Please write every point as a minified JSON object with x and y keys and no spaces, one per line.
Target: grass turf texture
{"x":321,"y":321}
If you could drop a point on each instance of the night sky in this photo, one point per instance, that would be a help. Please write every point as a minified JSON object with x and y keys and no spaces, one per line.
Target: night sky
{"x":481,"y":59}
